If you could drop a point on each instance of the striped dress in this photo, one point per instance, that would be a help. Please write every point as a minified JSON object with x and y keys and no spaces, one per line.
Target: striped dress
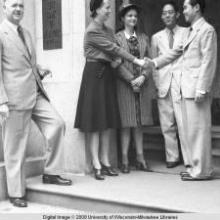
{"x":131,"y":114}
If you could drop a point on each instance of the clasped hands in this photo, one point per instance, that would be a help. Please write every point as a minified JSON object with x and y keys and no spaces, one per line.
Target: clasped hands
{"x":137,"y":83}
{"x":146,"y":64}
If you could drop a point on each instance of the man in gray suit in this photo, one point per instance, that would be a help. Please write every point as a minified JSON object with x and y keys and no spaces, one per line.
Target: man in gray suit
{"x":22,"y":98}
{"x":197,"y":74}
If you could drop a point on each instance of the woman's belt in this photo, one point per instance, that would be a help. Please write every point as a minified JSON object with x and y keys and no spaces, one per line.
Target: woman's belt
{"x":97,"y":60}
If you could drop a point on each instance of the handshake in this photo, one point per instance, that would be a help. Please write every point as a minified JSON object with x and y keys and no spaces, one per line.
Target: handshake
{"x":145,"y":63}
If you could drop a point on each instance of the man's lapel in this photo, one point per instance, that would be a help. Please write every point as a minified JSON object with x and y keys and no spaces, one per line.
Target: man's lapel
{"x":194,"y":33}
{"x":28,"y":43}
{"x":164,"y":39}
{"x":191,"y":37}
{"x":15,"y":39}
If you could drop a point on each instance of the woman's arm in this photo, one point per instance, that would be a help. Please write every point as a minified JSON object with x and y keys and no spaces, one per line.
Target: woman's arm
{"x":99,"y":40}
{"x":148,"y":53}
{"x":125,"y":74}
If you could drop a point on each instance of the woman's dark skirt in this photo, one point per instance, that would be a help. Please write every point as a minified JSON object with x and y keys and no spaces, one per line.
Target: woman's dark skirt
{"x":97,"y":108}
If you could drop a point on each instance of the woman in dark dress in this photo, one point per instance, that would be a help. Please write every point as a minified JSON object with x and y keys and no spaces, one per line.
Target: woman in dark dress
{"x":97,"y":111}
{"x":134,"y":103}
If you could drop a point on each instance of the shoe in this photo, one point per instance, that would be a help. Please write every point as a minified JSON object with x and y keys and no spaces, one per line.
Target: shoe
{"x":125,"y":168}
{"x":98,"y":174}
{"x":142,"y":166}
{"x":190,"y":178}
{"x":108,"y":171}
{"x":172,"y":164}
{"x":18,"y":202}
{"x":184,"y":173}
{"x":55,"y":179}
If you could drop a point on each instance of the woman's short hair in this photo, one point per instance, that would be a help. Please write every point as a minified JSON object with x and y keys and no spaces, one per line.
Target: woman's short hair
{"x":94,"y":5}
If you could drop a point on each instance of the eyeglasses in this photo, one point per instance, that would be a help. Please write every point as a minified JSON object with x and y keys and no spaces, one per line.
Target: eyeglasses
{"x":171,"y":12}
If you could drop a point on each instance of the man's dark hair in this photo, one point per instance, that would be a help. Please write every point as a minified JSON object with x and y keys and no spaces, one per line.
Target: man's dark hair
{"x":171,"y":2}
{"x":201,"y":3}
{"x":94,"y":5}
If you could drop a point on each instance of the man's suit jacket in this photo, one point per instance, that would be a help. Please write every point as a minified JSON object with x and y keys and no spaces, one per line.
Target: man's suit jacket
{"x":19,"y":77}
{"x":199,"y":59}
{"x":160,"y":46}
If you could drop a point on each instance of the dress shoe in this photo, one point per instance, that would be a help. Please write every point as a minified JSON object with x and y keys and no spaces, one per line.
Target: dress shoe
{"x":172,"y":164}
{"x":184,"y":173}
{"x":108,"y":171}
{"x":142,"y":166}
{"x":18,"y":202}
{"x":190,"y":178}
{"x":125,"y":168}
{"x":55,"y":179}
{"x":98,"y":174}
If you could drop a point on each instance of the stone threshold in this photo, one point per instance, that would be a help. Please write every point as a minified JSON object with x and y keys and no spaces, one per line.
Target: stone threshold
{"x":138,"y":192}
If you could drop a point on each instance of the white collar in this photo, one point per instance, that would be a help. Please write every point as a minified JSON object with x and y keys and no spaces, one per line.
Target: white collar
{"x":12,"y":26}
{"x":196,"y":25}
{"x":174,"y":29}
{"x":127,"y":36}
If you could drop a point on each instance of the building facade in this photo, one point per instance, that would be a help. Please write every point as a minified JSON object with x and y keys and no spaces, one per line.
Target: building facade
{"x":67,"y":64}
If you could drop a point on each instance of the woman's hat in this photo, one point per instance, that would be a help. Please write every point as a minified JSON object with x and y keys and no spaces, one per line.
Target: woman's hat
{"x":126,"y":7}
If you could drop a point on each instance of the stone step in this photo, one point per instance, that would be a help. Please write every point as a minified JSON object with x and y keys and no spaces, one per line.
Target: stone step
{"x":153,"y":139}
{"x":33,"y":167}
{"x":154,"y":144}
{"x":90,"y":195}
{"x":33,"y":208}
{"x":138,"y":192}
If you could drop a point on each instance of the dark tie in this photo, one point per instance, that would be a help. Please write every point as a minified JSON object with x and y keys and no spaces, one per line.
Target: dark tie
{"x":21,"y":35}
{"x":190,"y":32}
{"x":171,"y":39}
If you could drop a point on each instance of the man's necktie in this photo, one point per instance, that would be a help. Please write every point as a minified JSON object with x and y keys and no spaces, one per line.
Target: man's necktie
{"x":171,"y":39}
{"x":190,"y":31}
{"x":21,"y":35}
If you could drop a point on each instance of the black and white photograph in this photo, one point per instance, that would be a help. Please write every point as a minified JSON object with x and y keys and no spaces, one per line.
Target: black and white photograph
{"x":109,"y":109}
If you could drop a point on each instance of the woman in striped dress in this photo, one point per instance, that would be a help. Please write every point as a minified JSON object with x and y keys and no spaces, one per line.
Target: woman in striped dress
{"x":133,"y":99}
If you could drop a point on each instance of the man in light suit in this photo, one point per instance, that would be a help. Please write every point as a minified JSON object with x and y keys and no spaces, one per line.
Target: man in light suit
{"x":197,"y":74}
{"x":167,"y":81}
{"x":22,"y":98}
